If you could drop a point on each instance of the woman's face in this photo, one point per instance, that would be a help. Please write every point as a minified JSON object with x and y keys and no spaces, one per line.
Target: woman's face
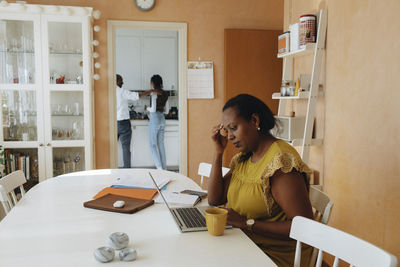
{"x":152,"y":85}
{"x":243,"y":134}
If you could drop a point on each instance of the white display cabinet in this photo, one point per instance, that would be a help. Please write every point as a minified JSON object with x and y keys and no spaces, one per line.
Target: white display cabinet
{"x":46,"y":89}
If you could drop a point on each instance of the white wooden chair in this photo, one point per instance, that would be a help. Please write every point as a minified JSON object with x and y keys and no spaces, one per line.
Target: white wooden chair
{"x":322,"y":210}
{"x":205,"y":170}
{"x":342,"y":245}
{"x":322,"y":205}
{"x":7,"y":185}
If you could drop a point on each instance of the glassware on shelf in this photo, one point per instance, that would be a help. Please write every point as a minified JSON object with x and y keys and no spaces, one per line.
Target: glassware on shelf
{"x":66,"y":109}
{"x":67,"y":165}
{"x":65,"y":52}
{"x":76,"y":109}
{"x":67,"y":134}
{"x":76,"y":131}
{"x":56,"y":109}
{"x":17,"y":44}
{"x":60,"y":134}
{"x":32,"y":133}
{"x":77,"y":162}
{"x":9,"y":74}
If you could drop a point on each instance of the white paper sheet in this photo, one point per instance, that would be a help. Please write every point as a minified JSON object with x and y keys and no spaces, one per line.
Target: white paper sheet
{"x":141,"y":182}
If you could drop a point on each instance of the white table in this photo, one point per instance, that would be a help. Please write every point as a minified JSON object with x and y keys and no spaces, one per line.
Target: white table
{"x":50,"y":227}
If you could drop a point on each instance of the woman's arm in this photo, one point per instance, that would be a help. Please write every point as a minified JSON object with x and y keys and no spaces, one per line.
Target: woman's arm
{"x":218,"y":185}
{"x":146,"y":93}
{"x":290,"y":192}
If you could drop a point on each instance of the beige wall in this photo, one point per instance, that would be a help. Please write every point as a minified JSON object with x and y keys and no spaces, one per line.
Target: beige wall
{"x":206,"y":21}
{"x":360,"y":116}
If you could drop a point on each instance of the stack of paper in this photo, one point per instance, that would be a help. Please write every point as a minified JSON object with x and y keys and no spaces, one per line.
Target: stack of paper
{"x":178,"y":199}
{"x":140,"y":182}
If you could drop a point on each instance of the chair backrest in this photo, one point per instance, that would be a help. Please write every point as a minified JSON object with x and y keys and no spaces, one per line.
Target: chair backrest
{"x":205,"y":170}
{"x":5,"y":200}
{"x":344,"y":246}
{"x":322,"y":206}
{"x":321,"y":203}
{"x":8,"y":183}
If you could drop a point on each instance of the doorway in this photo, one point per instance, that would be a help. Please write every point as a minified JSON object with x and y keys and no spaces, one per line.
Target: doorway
{"x":115,"y":28}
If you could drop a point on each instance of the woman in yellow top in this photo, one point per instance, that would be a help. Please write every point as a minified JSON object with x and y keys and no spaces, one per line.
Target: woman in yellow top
{"x":267,"y":184}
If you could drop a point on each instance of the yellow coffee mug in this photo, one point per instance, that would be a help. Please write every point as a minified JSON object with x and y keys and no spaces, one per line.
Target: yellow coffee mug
{"x":216,"y":220}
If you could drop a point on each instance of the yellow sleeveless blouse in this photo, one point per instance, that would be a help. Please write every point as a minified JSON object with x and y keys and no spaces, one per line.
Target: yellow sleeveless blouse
{"x":249,"y":194}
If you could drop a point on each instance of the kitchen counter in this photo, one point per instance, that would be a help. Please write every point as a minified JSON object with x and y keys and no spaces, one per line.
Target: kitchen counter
{"x":146,"y":122}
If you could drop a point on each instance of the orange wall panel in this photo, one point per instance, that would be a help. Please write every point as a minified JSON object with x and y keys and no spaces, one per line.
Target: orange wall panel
{"x":358,"y":116}
{"x":206,"y":21}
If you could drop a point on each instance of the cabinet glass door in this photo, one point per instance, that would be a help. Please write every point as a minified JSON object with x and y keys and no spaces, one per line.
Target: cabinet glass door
{"x":17,"y":56}
{"x":19,"y":115}
{"x":67,"y":115}
{"x":65,"y":52}
{"x":68,"y":159}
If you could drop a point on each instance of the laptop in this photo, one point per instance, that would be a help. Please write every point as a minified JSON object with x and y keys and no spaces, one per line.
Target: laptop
{"x":188,"y":219}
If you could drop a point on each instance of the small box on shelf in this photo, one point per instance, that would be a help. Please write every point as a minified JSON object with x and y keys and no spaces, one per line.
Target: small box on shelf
{"x":284,"y":43}
{"x":294,"y":37}
{"x":289,"y":128}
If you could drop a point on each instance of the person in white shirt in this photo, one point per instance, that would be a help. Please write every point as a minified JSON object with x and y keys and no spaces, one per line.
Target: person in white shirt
{"x":157,"y":122}
{"x":123,"y":118}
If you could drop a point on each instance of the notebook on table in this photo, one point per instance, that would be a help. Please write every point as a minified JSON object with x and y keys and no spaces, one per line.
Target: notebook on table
{"x":106,"y":202}
{"x":128,"y":192}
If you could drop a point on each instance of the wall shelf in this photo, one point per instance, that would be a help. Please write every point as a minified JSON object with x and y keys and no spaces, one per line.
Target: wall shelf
{"x":302,"y":95}
{"x":307,"y":49}
{"x":299,"y":142}
{"x":292,"y":131}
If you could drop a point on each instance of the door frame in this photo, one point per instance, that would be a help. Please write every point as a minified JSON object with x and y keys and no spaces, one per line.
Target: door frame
{"x":181,"y":28}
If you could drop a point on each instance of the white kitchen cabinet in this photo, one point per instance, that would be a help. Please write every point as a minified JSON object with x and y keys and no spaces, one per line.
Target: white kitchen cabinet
{"x":140,"y":146}
{"x":141,"y":156}
{"x":46,"y":88}
{"x":171,"y":143}
{"x":142,"y":53}
{"x":161,"y":57}
{"x":129,"y":61}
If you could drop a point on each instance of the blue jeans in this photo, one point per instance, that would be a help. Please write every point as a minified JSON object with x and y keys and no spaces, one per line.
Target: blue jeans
{"x":125,"y":134}
{"x":156,"y":130}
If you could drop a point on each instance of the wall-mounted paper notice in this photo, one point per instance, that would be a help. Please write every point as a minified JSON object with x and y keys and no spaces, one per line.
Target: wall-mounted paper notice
{"x":200,"y":79}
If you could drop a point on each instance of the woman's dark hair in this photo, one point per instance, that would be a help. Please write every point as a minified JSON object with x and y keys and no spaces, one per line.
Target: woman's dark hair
{"x":163,"y":97}
{"x":247,"y":105}
{"x":157,"y":81}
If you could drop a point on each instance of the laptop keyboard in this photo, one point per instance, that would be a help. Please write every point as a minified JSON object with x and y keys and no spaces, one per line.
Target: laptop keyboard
{"x":192,"y":217}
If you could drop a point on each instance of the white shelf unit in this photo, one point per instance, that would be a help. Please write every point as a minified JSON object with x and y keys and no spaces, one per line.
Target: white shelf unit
{"x":317,"y":50}
{"x":50,"y":122}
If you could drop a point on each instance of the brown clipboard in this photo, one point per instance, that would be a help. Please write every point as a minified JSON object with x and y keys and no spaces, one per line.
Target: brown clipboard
{"x":106,"y":202}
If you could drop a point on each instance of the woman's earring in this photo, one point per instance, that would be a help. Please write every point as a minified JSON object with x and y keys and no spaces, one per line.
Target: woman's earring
{"x":258,"y":128}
